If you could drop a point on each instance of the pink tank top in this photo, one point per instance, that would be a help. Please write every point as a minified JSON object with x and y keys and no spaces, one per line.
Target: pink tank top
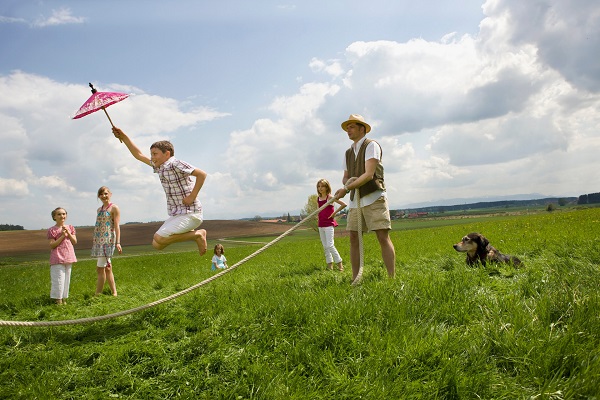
{"x":324,"y":220}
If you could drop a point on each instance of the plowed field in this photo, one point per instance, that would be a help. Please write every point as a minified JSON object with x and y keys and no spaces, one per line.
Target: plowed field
{"x":22,"y":242}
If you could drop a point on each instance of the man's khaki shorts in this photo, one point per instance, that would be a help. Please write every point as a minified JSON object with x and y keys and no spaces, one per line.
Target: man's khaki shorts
{"x":375,"y":216}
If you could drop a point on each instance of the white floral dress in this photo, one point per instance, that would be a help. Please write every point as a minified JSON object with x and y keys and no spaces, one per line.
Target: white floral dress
{"x":104,"y":234}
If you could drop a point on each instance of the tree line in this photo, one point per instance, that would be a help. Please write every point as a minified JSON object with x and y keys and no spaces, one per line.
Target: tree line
{"x":495,"y":204}
{"x":590,"y":198}
{"x":8,"y":227}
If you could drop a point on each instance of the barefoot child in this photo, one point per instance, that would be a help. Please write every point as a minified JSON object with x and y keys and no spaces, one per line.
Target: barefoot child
{"x":184,"y":209}
{"x":62,"y":255}
{"x":327,"y":224}
{"x":107,"y":236}
{"x":219,"y":261}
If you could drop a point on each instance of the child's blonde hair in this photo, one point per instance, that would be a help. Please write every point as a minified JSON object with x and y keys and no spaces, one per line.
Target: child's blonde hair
{"x":324,"y":182}
{"x":219,"y":246}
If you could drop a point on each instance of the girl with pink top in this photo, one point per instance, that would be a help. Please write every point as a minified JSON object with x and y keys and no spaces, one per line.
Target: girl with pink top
{"x":327,"y":224}
{"x":62,"y":255}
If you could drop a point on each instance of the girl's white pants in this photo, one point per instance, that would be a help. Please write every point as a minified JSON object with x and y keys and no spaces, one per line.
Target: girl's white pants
{"x":331,"y":253}
{"x":60,"y":278}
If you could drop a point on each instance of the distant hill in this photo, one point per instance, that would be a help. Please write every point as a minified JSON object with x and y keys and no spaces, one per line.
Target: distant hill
{"x":444,"y":205}
{"x":523,"y":200}
{"x":493,"y":204}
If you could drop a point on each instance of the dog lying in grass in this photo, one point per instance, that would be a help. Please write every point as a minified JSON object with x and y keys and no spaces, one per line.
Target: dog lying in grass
{"x":479,"y":249}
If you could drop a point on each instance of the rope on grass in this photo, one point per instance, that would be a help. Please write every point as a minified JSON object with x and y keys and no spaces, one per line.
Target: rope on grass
{"x":173,"y":296}
{"x":358,"y":278}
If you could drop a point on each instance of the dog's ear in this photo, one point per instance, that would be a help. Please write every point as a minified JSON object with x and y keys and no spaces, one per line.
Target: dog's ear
{"x":483,"y":240}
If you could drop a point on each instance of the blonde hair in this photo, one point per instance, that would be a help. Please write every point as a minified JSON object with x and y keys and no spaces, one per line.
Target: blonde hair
{"x":325,"y":183}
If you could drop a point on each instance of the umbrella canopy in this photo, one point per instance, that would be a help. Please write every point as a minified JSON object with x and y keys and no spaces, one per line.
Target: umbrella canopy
{"x":99,"y":101}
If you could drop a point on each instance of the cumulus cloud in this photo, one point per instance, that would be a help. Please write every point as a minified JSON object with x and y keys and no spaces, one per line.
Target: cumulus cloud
{"x":566,"y":35}
{"x":57,"y":160}
{"x":421,"y":84}
{"x":276,"y":153}
{"x":495,"y":141}
{"x":332,"y":67}
{"x":13,"y":188}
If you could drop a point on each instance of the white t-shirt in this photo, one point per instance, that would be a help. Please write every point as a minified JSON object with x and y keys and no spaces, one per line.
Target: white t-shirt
{"x":219,"y":261}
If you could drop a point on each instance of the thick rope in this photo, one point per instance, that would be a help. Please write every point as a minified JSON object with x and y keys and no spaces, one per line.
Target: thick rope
{"x":358,"y":278}
{"x":173,"y":296}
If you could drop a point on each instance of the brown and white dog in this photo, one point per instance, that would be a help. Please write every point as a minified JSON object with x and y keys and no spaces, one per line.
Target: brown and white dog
{"x":479,"y":249}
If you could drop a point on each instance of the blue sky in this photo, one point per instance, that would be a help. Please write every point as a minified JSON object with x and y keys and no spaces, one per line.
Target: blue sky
{"x":469,"y":99}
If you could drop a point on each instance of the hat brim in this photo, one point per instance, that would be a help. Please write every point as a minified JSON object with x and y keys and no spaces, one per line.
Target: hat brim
{"x":346,"y":123}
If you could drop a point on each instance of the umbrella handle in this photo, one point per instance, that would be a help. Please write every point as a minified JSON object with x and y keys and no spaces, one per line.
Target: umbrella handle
{"x":110,"y":120}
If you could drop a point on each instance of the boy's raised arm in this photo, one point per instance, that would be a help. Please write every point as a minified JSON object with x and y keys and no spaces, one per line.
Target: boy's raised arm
{"x":133,"y":149}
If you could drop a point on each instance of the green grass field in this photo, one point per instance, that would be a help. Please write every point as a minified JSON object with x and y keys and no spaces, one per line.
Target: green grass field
{"x":282,"y":327}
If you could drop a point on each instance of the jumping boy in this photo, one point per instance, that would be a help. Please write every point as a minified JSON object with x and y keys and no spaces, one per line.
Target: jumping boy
{"x":185,"y":210}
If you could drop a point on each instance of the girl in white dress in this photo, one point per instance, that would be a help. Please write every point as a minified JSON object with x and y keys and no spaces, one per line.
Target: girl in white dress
{"x":219,"y":261}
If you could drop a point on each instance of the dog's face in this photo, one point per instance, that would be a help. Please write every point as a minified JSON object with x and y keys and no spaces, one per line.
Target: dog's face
{"x":478,"y":249}
{"x":470,"y":243}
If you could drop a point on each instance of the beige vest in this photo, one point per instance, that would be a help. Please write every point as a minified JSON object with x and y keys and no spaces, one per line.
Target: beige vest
{"x":356,"y":167}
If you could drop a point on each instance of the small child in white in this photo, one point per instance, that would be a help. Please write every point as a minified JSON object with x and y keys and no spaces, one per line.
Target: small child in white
{"x":219,"y":261}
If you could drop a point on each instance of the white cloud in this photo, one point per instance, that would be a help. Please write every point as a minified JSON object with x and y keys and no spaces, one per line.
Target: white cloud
{"x":332,"y":67}
{"x":62,"y":16}
{"x":54,"y":183}
{"x":11,"y":20}
{"x":276,"y":153}
{"x":421,"y":84}
{"x":13,"y":188}
{"x":566,"y":35}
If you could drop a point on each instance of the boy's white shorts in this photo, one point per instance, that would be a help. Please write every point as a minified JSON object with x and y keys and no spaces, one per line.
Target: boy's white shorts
{"x":180,"y":224}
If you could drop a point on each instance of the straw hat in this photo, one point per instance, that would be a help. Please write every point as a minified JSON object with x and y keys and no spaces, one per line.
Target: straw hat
{"x":357,"y":119}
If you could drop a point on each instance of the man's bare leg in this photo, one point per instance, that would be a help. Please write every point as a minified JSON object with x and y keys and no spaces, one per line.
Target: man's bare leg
{"x":198,"y":236}
{"x":388,"y":253}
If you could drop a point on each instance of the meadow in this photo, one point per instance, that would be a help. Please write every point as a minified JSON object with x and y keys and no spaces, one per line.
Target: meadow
{"x":280,"y":326}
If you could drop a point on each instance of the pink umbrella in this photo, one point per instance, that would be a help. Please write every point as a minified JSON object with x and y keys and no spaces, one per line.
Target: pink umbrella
{"x":99,"y":100}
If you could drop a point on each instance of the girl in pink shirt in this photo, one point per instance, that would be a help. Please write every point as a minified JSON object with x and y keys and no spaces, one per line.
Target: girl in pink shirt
{"x":62,"y":255}
{"x":327,"y":224}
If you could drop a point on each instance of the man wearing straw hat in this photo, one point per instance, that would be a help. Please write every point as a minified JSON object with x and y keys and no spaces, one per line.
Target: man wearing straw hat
{"x":363,"y":171}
